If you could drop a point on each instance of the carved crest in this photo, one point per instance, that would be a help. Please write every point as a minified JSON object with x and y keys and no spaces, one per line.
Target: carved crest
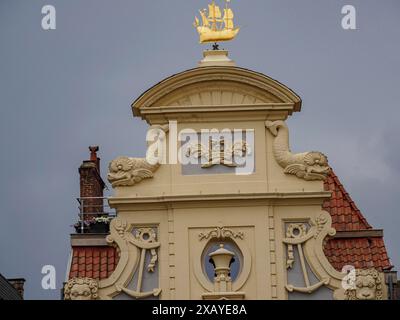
{"x":218,"y":152}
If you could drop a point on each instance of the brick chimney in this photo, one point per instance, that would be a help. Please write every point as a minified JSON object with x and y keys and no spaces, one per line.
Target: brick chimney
{"x":91,"y":185}
{"x":18,"y":284}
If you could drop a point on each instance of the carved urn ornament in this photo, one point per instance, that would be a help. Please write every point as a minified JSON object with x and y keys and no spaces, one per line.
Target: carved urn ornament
{"x":222,"y":259}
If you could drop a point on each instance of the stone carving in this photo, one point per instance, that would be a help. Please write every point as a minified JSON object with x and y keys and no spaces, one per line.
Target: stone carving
{"x":308,"y":165}
{"x":125,"y":171}
{"x":297,"y":234}
{"x":221,"y":233}
{"x":294,"y":230}
{"x":81,"y":289}
{"x":222,"y":259}
{"x":121,"y":226}
{"x":148,"y":235}
{"x":320,"y":224}
{"x":144,"y":238}
{"x":218,"y":152}
{"x":367,"y":286}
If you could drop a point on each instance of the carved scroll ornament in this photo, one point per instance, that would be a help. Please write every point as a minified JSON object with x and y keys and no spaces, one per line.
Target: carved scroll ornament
{"x":144,"y":239}
{"x":221,"y":233}
{"x":300,"y":235}
{"x":133,"y":243}
{"x":308,"y":165}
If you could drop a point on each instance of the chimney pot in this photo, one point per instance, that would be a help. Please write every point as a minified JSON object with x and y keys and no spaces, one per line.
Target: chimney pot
{"x":93,"y":152}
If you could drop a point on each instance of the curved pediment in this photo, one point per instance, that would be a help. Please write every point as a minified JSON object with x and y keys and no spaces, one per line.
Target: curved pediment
{"x":216,"y":86}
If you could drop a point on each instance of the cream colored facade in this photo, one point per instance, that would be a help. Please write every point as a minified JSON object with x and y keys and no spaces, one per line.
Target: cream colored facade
{"x":168,"y":217}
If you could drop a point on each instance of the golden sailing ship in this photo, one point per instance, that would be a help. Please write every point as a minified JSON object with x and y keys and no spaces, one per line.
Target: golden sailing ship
{"x":215,"y":27}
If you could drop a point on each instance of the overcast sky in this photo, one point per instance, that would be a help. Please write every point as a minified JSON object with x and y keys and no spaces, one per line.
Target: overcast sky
{"x":65,"y":89}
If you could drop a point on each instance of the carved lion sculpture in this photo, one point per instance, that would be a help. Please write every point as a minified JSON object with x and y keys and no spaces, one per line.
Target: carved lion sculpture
{"x":367,"y":286}
{"x":311,"y":165}
{"x":81,"y":289}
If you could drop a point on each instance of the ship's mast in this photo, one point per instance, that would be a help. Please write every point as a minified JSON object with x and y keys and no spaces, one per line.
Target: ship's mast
{"x":214,"y":26}
{"x":226,"y":14}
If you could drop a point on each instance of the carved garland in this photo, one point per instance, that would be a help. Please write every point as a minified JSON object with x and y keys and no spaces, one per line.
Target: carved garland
{"x":221,"y":233}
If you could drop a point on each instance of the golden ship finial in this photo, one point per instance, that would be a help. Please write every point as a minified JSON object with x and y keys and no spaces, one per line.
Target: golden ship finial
{"x":214,"y":27}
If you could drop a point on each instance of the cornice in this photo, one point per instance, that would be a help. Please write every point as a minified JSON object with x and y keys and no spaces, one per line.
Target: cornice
{"x":168,"y":199}
{"x":206,"y":74}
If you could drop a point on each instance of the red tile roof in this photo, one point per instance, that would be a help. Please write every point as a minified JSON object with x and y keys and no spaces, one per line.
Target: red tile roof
{"x":93,"y":262}
{"x":361,"y":252}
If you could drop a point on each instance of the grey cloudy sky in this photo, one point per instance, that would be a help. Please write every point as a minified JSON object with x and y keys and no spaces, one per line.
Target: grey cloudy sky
{"x":63,"y":90}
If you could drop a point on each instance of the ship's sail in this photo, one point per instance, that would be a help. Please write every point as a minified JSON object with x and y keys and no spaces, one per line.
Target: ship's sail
{"x":214,"y":12}
{"x":228,"y":19}
{"x":206,"y":23}
{"x":214,"y":27}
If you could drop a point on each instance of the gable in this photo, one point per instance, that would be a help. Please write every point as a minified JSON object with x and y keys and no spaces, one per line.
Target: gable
{"x":216,"y":86}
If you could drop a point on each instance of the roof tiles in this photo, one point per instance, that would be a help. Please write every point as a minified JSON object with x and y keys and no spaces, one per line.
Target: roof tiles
{"x":360,"y":252}
{"x":93,"y":262}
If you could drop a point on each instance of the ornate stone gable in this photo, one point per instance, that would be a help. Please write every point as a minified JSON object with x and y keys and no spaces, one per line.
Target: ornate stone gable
{"x":209,"y":232}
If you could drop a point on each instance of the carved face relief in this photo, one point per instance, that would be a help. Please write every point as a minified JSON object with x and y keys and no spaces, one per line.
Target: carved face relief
{"x":81,"y":292}
{"x":368,"y":286}
{"x":81,"y":289}
{"x":365,"y":288}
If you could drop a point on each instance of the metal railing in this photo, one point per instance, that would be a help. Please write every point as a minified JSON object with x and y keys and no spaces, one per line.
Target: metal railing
{"x":92,"y":207}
